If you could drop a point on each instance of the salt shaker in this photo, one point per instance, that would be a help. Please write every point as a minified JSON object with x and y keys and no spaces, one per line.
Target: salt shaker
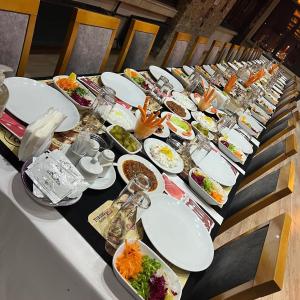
{"x":106,"y":157}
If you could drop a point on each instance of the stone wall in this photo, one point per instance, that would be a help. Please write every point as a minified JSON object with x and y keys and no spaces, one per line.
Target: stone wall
{"x":198,"y":17}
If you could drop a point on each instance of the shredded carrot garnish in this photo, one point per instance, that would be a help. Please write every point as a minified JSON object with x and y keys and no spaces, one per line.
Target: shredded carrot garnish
{"x":67,"y":84}
{"x":129,"y":263}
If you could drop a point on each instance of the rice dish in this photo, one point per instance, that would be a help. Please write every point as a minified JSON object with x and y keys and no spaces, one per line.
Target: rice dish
{"x":164,"y":155}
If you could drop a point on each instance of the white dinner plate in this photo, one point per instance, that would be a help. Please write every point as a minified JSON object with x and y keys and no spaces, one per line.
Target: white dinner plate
{"x":185,"y":101}
{"x":150,"y":142}
{"x":157,"y":72}
{"x":216,"y":167}
{"x":177,"y":233}
{"x":238,"y":140}
{"x":30,"y":99}
{"x":126,"y":90}
{"x":188,"y":70}
{"x":119,"y":115}
{"x":160,"y":181}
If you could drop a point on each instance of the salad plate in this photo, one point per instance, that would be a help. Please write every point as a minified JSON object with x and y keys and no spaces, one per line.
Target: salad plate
{"x":259,"y":114}
{"x":138,"y":79}
{"x":177,"y":233}
{"x":157,"y":72}
{"x":185,"y":101}
{"x":119,"y":115}
{"x":170,"y":285}
{"x":231,"y":150}
{"x":180,"y":75}
{"x":188,"y":70}
{"x":238,"y":140}
{"x":249,"y":124}
{"x":164,"y":156}
{"x":202,"y":130}
{"x":126,"y":90}
{"x":30,"y":99}
{"x":211,"y":191}
{"x":78,"y":93}
{"x":217,"y":168}
{"x":266,"y":105}
{"x":205,"y":121}
{"x":179,"y":126}
{"x":130,"y":165}
{"x":177,"y":108}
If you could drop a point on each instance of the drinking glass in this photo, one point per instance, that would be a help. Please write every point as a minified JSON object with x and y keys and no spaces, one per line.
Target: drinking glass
{"x":100,"y":110}
{"x":125,"y":218}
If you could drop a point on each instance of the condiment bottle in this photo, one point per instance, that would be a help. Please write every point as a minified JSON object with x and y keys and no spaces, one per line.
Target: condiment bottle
{"x":92,"y":148}
{"x":106,"y":157}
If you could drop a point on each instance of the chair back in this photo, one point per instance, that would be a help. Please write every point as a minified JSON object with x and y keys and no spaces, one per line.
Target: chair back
{"x":262,"y":254}
{"x":176,"y":52}
{"x":270,"y":158}
{"x":232,"y":53}
{"x":240,"y":53}
{"x":196,"y":55}
{"x":137,"y":45}
{"x":213,"y":52}
{"x":224,"y":52}
{"x":17,"y":22}
{"x":246,"y":54}
{"x":258,"y":195}
{"x":88,"y":43}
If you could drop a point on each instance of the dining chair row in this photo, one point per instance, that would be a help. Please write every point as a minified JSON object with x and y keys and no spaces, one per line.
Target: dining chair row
{"x":90,"y":38}
{"x":257,"y":258}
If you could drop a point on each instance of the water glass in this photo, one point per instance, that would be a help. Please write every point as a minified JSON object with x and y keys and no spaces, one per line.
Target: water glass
{"x":100,"y":110}
{"x":125,"y":219}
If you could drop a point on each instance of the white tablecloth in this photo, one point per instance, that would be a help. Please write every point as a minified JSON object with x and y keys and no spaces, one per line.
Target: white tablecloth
{"x":42,"y":257}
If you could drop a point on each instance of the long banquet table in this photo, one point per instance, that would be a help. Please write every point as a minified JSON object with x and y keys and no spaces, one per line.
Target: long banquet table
{"x":43,"y":257}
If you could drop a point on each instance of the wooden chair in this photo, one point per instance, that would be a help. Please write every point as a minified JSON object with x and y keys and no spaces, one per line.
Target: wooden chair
{"x":196,"y":55}
{"x":232,"y":53}
{"x":224,"y":52}
{"x":286,"y":112}
{"x":213,"y":52}
{"x":258,"y":195}
{"x":17,"y":22}
{"x":248,"y":267}
{"x":270,"y":158}
{"x":240,"y":53}
{"x":137,"y":45}
{"x":246,"y":54}
{"x":88,"y":43}
{"x":283,"y":128}
{"x":176,"y":52}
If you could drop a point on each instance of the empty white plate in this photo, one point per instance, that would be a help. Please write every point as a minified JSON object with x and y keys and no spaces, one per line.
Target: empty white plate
{"x":177,"y":233}
{"x":216,"y":167}
{"x":126,"y":90}
{"x":29,"y":99}
{"x":157,"y":72}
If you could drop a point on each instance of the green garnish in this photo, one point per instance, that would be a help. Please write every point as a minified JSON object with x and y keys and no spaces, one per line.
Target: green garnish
{"x":141,"y":282}
{"x":80,"y":91}
{"x":180,"y":123}
{"x":208,"y":185}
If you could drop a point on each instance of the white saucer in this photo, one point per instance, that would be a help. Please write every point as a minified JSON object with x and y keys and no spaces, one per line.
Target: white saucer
{"x":102,"y":183}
